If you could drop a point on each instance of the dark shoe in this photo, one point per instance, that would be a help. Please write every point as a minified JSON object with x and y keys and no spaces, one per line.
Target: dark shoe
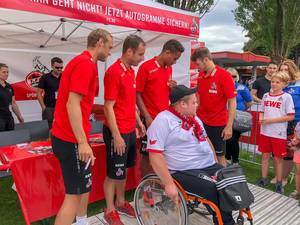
{"x":279,"y":188}
{"x":262,"y":182}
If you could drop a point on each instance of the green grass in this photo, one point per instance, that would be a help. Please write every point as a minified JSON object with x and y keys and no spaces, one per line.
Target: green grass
{"x":252,"y":170}
{"x":10,"y":209}
{"x":11,"y":214}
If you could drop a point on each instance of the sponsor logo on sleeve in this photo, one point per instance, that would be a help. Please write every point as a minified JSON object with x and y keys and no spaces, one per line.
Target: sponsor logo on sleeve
{"x":152,"y":142}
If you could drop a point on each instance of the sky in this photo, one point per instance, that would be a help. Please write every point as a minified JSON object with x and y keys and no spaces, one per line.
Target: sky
{"x":219,"y":30}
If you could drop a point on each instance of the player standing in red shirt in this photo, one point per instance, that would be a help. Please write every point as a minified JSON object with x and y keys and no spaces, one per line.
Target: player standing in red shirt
{"x":153,"y":83}
{"x":78,"y":86}
{"x":217,"y":101}
{"x":119,"y":130}
{"x":154,"y":79}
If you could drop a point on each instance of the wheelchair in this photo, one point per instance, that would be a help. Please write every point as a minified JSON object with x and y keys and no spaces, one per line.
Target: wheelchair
{"x":153,"y":207}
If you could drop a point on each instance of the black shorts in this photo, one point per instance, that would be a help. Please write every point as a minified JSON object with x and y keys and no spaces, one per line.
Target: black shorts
{"x":115,"y":164}
{"x":143,"y":146}
{"x":77,"y":178}
{"x":215,"y":135}
{"x":7,"y":124}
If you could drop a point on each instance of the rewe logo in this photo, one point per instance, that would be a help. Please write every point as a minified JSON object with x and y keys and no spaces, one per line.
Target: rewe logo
{"x":152,"y":142}
{"x":273,"y":104}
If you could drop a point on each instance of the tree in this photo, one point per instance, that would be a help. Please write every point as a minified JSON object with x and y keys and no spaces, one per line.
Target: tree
{"x":199,"y":6}
{"x":272,"y":25}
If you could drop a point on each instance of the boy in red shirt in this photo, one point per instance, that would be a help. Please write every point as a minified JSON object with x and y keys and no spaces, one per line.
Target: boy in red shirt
{"x":119,"y":130}
{"x":78,"y":86}
{"x":216,"y":92}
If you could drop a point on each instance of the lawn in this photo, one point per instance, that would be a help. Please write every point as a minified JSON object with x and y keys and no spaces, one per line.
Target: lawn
{"x":11,"y":214}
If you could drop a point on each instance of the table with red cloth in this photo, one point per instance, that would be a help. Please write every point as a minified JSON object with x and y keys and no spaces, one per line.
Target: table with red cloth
{"x":39,"y":181}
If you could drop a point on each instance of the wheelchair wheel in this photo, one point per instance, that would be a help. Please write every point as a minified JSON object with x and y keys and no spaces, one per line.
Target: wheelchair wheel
{"x":153,"y":207}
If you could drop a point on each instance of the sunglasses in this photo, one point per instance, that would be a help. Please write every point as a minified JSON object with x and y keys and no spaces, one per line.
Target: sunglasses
{"x":59,"y":67}
{"x":234,"y":76}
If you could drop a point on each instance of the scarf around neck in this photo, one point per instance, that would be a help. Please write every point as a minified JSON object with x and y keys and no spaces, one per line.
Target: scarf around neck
{"x":189,"y":122}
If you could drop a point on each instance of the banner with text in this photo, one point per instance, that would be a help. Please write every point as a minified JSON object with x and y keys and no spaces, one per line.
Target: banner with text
{"x":114,"y":12}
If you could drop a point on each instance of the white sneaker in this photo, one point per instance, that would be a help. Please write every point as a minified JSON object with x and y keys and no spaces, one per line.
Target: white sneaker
{"x":228,"y":161}
{"x":284,"y":182}
{"x":274,"y":180}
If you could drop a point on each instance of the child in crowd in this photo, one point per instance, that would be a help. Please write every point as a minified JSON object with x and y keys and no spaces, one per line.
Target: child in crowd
{"x":277,"y":110}
{"x":295,"y":145}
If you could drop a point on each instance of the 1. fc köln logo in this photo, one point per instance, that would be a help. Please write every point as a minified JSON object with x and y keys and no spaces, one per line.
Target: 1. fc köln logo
{"x":213,"y":88}
{"x":195,"y":26}
{"x":33,"y":78}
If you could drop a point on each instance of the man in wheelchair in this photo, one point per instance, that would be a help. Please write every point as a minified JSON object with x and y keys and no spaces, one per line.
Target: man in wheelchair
{"x":180,"y":149}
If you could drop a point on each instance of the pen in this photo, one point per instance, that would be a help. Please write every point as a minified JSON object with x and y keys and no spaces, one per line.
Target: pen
{"x":87,"y":164}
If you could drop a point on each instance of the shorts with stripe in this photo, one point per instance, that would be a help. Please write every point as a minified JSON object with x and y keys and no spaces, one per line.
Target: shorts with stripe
{"x":77,"y":178}
{"x":116,"y":164}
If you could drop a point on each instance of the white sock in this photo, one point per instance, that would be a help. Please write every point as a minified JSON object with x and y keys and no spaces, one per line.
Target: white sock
{"x":81,"y":220}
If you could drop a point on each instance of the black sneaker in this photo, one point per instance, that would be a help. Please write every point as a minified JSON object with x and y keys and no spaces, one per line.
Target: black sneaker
{"x":262,"y":182}
{"x":279,"y":188}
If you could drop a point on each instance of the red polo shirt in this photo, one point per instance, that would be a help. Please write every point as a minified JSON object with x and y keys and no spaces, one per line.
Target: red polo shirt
{"x":119,"y":86}
{"x":152,"y":82}
{"x":80,"y":76}
{"x":214,"y":90}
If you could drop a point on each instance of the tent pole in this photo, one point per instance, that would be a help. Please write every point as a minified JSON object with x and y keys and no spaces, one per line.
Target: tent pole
{"x":44,"y":45}
{"x":66,"y":38}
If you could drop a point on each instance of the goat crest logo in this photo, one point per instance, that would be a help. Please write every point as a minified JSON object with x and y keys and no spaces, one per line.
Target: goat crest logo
{"x":32,"y":79}
{"x":195,"y":26}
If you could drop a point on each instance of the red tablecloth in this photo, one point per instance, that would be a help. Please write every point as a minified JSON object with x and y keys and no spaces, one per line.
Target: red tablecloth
{"x":39,"y":181}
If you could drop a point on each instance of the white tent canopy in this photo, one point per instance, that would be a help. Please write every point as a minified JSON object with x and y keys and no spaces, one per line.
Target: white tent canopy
{"x":26,"y":30}
{"x":42,"y":29}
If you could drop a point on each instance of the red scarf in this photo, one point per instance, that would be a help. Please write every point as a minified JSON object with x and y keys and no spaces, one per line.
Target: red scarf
{"x":189,"y":122}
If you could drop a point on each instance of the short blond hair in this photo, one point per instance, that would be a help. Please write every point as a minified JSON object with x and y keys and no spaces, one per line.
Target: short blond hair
{"x":234,"y":72}
{"x":282,"y":76}
{"x":96,"y":35}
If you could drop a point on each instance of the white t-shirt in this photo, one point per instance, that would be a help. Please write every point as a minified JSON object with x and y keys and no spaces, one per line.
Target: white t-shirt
{"x":181,"y":149}
{"x":275,"y":106}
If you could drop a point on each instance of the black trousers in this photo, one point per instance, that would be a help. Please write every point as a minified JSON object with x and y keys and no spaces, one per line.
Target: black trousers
{"x":194,"y":182}
{"x":7,"y":124}
{"x":233,"y":147}
{"x":48,"y":114}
